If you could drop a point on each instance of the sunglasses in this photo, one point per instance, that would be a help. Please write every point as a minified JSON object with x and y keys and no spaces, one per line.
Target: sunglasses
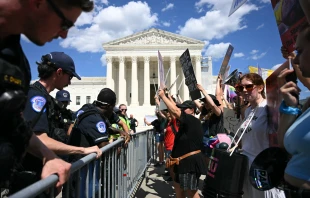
{"x":69,"y":73}
{"x":123,"y":110}
{"x":248,"y":87}
{"x":66,"y":23}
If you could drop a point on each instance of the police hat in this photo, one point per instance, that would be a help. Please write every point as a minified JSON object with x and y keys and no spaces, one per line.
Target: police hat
{"x":61,"y":60}
{"x":267,"y":169}
{"x":63,"y":96}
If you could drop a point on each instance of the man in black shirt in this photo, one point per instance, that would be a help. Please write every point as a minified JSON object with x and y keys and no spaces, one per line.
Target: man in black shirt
{"x":40,"y":21}
{"x":133,"y":123}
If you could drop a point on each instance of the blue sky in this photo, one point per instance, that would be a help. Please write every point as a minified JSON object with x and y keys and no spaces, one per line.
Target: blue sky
{"x":251,"y":30}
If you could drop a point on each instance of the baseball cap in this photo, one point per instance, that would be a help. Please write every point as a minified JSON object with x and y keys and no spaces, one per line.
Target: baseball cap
{"x":216,"y":102}
{"x":107,"y":95}
{"x":187,"y":104}
{"x":63,"y":96}
{"x":61,"y":60}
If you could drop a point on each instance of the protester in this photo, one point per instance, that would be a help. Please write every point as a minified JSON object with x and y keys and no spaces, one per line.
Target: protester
{"x":293,"y":129}
{"x":55,"y":71}
{"x":257,"y":136}
{"x":187,"y":143}
{"x":133,"y":123}
{"x":40,"y":22}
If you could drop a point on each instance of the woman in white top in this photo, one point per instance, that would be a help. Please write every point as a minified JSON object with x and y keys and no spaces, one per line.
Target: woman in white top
{"x":256,"y":138}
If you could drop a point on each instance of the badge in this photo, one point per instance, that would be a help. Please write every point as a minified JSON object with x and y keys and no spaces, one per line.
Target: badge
{"x":101,"y":127}
{"x":65,"y":95}
{"x":79,"y":113}
{"x":37,"y":103}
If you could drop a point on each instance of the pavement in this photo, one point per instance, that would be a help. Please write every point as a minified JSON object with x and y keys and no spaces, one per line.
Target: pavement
{"x":154,"y":185}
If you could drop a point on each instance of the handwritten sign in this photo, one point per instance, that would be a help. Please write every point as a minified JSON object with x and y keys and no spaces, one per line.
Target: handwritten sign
{"x":231,"y":122}
{"x":190,"y":78}
{"x":235,"y":5}
{"x":289,"y":17}
{"x":226,"y":59}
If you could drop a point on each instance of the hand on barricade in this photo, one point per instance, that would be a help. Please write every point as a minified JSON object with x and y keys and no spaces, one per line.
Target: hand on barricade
{"x":93,"y":149}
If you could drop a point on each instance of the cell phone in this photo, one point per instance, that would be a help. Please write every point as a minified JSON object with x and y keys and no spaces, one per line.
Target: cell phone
{"x":292,"y":77}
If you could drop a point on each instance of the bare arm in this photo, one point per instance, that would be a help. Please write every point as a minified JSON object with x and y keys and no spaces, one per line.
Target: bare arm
{"x":216,"y":110}
{"x":123,"y":125}
{"x":219,"y":91}
{"x":173,"y":109}
{"x":198,"y":105}
{"x":146,"y":122}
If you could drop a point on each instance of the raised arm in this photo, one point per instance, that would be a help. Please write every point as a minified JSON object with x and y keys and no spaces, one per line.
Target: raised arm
{"x":173,"y":109}
{"x":217,"y":111}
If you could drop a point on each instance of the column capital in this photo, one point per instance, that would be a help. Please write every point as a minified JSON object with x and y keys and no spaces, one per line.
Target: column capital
{"x":146,"y":58}
{"x":121,"y":59}
{"x":198,"y":58}
{"x":172,"y":58}
{"x":134,"y":59}
{"x":109,"y":59}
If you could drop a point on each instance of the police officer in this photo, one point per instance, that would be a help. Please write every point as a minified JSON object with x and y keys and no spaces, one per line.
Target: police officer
{"x":40,"y":21}
{"x":66,"y":115}
{"x":55,"y":71}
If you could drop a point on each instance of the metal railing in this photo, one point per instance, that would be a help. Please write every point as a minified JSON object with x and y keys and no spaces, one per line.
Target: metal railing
{"x":116,"y":174}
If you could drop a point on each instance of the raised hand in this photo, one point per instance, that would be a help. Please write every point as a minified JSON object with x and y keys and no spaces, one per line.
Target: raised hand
{"x":288,"y":89}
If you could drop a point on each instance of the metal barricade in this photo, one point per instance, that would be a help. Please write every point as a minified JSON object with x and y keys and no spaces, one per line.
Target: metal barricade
{"x":116,"y":174}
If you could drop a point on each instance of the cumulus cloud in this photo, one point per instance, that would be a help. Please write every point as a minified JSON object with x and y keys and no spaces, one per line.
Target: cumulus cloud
{"x":166,"y":24}
{"x":255,"y":55}
{"x":209,"y":27}
{"x":260,"y":26}
{"x":168,"y":7}
{"x":103,"y":60}
{"x":107,"y":24}
{"x":238,"y":55}
{"x":217,"y":51}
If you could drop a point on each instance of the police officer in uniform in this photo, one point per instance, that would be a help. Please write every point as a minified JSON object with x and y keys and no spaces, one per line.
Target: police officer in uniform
{"x":40,"y":21}
{"x":66,"y":115}
{"x":55,"y":71}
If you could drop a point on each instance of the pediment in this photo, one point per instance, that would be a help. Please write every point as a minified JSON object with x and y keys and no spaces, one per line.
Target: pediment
{"x":154,"y":37}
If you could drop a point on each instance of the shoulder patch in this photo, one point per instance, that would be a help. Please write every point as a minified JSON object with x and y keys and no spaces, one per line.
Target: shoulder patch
{"x":101,"y":127}
{"x":79,"y":113}
{"x":37,"y":103}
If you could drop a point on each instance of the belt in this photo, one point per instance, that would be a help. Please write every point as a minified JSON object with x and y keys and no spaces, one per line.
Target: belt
{"x":294,"y":192}
{"x":177,"y":160}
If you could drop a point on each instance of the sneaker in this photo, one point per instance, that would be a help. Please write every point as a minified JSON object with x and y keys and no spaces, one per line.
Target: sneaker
{"x":168,"y":179}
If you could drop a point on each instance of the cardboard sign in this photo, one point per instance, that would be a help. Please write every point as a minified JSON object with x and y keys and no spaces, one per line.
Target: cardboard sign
{"x":231,"y":122}
{"x":226,"y":60}
{"x":190,"y":78}
{"x":274,"y":98}
{"x":289,"y":17}
{"x":150,"y":118}
{"x":235,"y":5}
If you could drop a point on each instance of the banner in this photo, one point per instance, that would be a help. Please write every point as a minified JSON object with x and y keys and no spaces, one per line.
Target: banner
{"x":190,"y":78}
{"x":289,"y":17}
{"x":231,"y":122}
{"x":161,"y":71}
{"x":235,"y":5}
{"x":265,"y":73}
{"x":226,"y":59}
{"x":274,"y":98}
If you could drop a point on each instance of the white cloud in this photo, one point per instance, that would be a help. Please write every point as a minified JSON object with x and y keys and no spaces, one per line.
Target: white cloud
{"x":109,"y":23}
{"x":166,"y":24}
{"x":265,"y":1}
{"x":258,"y":56}
{"x":238,"y":55}
{"x":254,"y":51}
{"x":276,"y":66}
{"x":260,"y":26}
{"x":105,"y":2}
{"x":25,"y":38}
{"x":103,"y":60}
{"x":217,"y":51}
{"x":209,"y":26}
{"x":168,"y":7}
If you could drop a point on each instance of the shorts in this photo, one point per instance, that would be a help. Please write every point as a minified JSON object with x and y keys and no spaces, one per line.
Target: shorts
{"x":159,"y":137}
{"x":168,"y":153}
{"x":188,"y":181}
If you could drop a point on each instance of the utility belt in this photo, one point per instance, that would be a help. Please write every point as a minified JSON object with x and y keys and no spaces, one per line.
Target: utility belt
{"x":172,"y":161}
{"x":294,"y":192}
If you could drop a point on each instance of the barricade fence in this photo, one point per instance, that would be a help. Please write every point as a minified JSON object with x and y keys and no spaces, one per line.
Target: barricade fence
{"x":115,"y":174}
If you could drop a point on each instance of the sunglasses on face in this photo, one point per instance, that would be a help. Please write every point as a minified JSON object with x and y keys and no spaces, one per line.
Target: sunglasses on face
{"x":123,"y":110}
{"x":69,"y":74}
{"x":248,"y":87}
{"x":66,"y":23}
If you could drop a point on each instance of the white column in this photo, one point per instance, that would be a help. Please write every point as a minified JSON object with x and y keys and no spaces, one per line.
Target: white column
{"x":134,"y":82}
{"x":122,"y":83}
{"x":185,"y":91}
{"x":198,"y":68}
{"x":146,"y":81}
{"x":173,"y":90}
{"x":109,"y":80}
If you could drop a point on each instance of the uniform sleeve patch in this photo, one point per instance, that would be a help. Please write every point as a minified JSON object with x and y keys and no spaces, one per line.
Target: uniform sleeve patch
{"x":101,"y":127}
{"x":37,"y":103}
{"x":79,"y":113}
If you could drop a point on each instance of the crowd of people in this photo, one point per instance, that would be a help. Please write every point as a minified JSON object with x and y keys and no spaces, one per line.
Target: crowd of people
{"x":40,"y":137}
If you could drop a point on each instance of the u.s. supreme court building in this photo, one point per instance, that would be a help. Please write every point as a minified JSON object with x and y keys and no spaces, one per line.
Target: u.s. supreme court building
{"x":132,"y":71}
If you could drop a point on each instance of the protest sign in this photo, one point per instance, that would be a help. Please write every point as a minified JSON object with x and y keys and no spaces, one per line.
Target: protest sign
{"x":150,"y":118}
{"x":289,"y":17}
{"x":161,"y":71}
{"x":231,"y":122}
{"x":235,"y":5}
{"x":226,"y":60}
{"x":190,"y":78}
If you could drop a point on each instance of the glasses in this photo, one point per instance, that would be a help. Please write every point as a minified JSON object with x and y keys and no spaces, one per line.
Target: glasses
{"x":248,"y":87}
{"x":66,"y":23}
{"x":123,"y":110}
{"x":69,"y":74}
